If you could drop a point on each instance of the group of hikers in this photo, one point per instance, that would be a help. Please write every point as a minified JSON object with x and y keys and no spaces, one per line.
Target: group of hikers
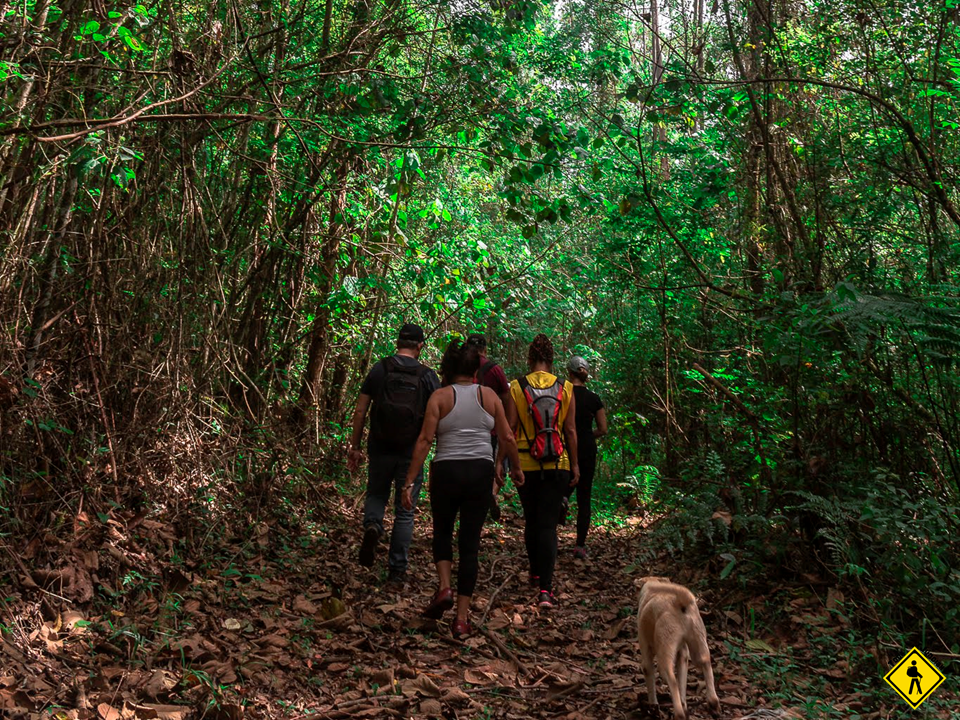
{"x":539,"y":429}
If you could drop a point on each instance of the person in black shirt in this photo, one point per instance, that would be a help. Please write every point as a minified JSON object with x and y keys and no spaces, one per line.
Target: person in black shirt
{"x":589,"y":407}
{"x":396,"y":390}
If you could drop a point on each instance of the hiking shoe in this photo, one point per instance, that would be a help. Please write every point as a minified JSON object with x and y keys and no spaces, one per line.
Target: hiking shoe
{"x":533,"y":580}
{"x":564,"y":509}
{"x":396,"y":580}
{"x":548,"y":600}
{"x":580,"y":552}
{"x":461,"y":628}
{"x":368,"y":548}
{"x":441,"y":602}
{"x":494,"y":512}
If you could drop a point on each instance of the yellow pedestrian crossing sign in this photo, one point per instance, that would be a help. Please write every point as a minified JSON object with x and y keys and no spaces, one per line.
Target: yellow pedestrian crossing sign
{"x":914,"y":678}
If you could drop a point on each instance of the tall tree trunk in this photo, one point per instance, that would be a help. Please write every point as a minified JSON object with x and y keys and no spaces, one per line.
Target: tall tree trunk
{"x":319,"y":332}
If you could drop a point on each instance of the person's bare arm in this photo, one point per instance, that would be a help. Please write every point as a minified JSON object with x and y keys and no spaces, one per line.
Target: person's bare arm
{"x":508,"y":442}
{"x":601,"y":428}
{"x":422,"y":447}
{"x":570,"y":433}
{"x":355,"y":454}
{"x":510,"y":411}
{"x":512,"y":418}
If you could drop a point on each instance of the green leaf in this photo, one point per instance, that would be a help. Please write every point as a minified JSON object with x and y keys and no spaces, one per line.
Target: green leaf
{"x":725,"y":573}
{"x":759,"y":645}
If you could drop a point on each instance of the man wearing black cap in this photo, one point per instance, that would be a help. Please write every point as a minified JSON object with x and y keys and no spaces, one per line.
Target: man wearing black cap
{"x":397,"y":388}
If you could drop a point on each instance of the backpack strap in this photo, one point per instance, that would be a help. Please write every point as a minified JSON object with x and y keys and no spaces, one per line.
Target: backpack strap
{"x":484,"y":369}
{"x":389,"y":364}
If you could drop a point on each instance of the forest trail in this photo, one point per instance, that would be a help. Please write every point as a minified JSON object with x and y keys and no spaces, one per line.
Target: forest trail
{"x":281,"y":622}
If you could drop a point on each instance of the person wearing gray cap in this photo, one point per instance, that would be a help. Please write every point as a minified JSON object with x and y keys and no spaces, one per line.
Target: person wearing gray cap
{"x":589,"y":407}
{"x":396,"y":391}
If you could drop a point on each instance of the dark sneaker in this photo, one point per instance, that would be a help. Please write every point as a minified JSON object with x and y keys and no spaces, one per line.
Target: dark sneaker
{"x":564,"y":509}
{"x":368,"y":548}
{"x":547,"y":600}
{"x":494,"y":512}
{"x":396,"y":580}
{"x":533,"y":580}
{"x":461,"y":628}
{"x":441,"y":602}
{"x":580,"y":553}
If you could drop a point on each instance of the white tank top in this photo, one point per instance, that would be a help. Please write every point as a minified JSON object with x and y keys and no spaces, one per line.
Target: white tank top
{"x":464,"y":432}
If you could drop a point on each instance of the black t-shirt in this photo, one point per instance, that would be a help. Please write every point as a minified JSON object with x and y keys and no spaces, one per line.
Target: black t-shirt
{"x":373,"y":385}
{"x":588,"y":405}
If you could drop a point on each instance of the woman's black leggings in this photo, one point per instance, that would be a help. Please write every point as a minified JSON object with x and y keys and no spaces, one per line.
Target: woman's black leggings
{"x":541,"y":495}
{"x":588,"y":468}
{"x":464,"y":487}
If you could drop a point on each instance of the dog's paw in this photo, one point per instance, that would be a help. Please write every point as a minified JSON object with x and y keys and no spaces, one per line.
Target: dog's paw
{"x":647,"y":710}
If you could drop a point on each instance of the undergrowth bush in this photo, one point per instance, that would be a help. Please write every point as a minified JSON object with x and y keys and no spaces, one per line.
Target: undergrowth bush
{"x":892,"y":545}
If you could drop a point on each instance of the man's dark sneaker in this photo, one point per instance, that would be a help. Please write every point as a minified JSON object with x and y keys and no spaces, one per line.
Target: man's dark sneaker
{"x":368,"y":548}
{"x":547,"y":600}
{"x":564,"y":509}
{"x":580,"y":552}
{"x":396,"y":580}
{"x":441,"y":602}
{"x":461,"y":628}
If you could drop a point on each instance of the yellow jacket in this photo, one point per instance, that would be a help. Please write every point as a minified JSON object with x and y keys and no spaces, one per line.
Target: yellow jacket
{"x":540,"y":380}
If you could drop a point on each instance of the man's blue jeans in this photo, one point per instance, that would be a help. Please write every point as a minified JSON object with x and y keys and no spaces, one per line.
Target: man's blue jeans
{"x":388,"y":472}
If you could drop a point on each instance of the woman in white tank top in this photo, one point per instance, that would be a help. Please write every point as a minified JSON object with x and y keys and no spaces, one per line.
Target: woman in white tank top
{"x":461,"y":415}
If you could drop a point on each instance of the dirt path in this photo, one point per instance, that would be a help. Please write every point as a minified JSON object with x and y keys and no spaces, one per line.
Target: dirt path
{"x":280,"y":622}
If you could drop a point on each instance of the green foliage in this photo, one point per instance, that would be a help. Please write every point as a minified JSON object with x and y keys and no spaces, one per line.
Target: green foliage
{"x":899,"y":543}
{"x":213,"y":222}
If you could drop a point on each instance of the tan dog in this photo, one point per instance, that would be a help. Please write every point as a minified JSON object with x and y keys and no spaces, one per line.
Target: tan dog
{"x":671,"y":630}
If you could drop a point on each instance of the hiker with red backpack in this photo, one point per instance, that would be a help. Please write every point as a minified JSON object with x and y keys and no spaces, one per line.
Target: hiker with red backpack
{"x":542,"y":418}
{"x":396,"y":391}
{"x":492,"y":376}
{"x":461,"y":415}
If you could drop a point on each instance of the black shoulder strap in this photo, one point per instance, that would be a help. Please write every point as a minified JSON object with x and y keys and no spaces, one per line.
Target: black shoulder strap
{"x":523,"y":382}
{"x":484,"y":369}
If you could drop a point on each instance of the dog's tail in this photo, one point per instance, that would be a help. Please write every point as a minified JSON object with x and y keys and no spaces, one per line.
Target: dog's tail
{"x":683,"y":599}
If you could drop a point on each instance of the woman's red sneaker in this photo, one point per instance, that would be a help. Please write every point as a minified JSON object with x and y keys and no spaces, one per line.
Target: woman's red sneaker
{"x":461,"y":628}
{"x":441,"y":602}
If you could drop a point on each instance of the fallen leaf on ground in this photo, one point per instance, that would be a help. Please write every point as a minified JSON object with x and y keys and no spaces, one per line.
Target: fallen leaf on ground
{"x":420,"y":685}
{"x":108,"y":712}
{"x":431,"y":708}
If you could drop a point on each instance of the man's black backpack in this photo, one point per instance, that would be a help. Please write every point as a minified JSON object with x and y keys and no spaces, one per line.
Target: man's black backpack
{"x":398,"y":409}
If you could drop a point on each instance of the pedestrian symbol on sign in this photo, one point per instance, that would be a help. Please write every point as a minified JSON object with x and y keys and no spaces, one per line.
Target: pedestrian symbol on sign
{"x":915,"y":677}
